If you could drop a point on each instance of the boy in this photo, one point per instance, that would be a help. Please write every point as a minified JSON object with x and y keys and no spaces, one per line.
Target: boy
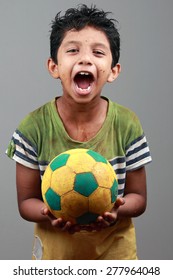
{"x":84,"y":46}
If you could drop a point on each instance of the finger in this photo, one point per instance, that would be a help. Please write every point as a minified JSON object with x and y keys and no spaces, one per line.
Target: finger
{"x":74,"y":228}
{"x":103,"y":221}
{"x":63,"y":226}
{"x":58,"y":222}
{"x":89,"y":227}
{"x":44,"y":211}
{"x":110,"y":217}
{"x":119,"y":202}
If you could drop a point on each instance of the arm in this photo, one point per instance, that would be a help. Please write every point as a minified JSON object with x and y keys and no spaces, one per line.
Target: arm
{"x":135,"y":196}
{"x":29,"y":196}
{"x":30,"y":204}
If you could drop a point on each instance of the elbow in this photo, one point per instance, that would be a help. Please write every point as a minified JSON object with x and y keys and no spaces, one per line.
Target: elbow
{"x":23,"y":211}
{"x":140,"y":209}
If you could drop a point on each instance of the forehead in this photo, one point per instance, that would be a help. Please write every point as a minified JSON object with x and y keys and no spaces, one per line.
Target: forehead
{"x":88,"y":35}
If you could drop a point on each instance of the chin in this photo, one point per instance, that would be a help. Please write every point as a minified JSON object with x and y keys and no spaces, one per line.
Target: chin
{"x":84,"y":99}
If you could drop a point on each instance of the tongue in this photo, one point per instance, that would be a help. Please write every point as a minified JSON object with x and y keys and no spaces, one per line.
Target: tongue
{"x":82,"y":82}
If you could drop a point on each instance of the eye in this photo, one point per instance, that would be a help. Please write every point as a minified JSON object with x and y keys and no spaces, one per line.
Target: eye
{"x":72,"y":51}
{"x":98,"y":52}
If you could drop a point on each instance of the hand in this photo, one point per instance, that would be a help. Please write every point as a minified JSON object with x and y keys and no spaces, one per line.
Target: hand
{"x":108,"y":218}
{"x":59,"y":223}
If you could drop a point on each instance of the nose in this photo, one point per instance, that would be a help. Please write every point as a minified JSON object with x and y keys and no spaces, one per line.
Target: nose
{"x":85,"y":59}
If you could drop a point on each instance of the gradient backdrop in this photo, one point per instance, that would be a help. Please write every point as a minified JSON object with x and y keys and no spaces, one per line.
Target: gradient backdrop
{"x":145,"y":85}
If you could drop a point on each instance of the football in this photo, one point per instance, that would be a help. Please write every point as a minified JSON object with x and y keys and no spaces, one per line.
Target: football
{"x":79,"y":185}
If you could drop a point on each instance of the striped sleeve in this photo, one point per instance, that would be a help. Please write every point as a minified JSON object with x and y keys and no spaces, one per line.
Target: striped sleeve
{"x":22,"y":151}
{"x":137,"y":154}
{"x":119,"y":166}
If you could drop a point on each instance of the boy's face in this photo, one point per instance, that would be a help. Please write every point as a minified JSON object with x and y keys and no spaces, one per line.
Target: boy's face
{"x":84,"y":64}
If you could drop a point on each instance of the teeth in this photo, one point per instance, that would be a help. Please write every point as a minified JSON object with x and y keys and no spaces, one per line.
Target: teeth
{"x":84,"y":73}
{"x":85,"y":89}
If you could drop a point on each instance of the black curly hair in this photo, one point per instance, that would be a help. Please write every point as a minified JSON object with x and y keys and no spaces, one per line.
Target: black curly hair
{"x":80,"y":17}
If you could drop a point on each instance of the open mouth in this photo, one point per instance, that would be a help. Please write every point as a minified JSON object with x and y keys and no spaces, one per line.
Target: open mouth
{"x":83,"y":81}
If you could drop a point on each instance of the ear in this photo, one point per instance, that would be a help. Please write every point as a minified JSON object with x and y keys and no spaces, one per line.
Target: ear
{"x":115,"y":71}
{"x":53,"y":68}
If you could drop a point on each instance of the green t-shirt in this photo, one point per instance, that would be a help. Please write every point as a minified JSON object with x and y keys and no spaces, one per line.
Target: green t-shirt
{"x":41,"y":136}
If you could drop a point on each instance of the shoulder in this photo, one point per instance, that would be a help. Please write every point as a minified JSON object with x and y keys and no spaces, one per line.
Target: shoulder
{"x":36,"y":117}
{"x":126,"y":123}
{"x":124,"y":116}
{"x":38,"y":113}
{"x":123,"y":113}
{"x":35,"y":122}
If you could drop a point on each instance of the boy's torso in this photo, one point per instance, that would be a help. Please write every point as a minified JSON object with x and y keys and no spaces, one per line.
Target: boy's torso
{"x":83,"y":125}
{"x":41,"y":136}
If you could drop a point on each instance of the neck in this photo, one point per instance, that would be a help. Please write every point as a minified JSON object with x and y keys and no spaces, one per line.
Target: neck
{"x":81,"y":113}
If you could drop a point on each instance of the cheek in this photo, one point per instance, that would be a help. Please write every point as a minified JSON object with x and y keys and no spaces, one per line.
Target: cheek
{"x":62,"y":70}
{"x":65,"y":68}
{"x":102,"y":71}
{"x":104,"y":68}
{"x":64,"y":77}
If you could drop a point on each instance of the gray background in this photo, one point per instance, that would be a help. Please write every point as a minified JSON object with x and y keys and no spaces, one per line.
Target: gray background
{"x":145,"y":85}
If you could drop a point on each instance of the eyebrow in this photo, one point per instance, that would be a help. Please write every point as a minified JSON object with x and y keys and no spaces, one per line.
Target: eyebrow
{"x":95,"y":45}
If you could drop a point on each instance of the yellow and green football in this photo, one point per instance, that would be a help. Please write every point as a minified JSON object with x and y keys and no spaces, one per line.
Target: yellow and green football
{"x":79,"y":185}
